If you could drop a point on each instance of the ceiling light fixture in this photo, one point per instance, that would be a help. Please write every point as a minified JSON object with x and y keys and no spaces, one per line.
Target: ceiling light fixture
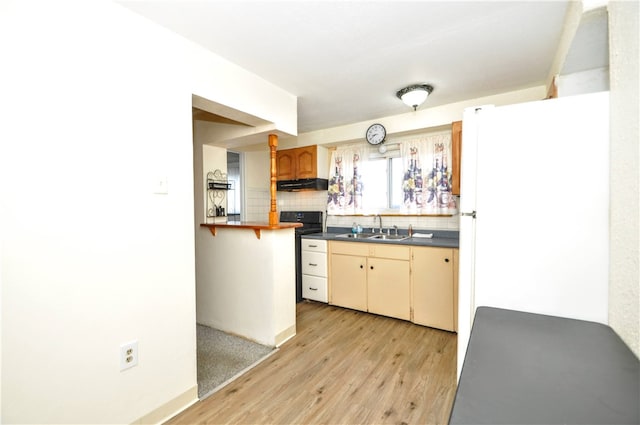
{"x":414,"y":95}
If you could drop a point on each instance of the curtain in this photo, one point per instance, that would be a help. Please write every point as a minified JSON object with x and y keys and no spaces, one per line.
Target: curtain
{"x":426,"y":182}
{"x":346,"y":182}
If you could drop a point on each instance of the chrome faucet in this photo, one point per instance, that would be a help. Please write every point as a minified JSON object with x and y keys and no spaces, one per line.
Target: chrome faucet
{"x":410,"y":231}
{"x":395,"y":229}
{"x":379,"y":218}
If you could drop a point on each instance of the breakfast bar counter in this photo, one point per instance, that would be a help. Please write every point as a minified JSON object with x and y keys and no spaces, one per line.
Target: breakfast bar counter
{"x":257,"y":227}
{"x":245,"y":284}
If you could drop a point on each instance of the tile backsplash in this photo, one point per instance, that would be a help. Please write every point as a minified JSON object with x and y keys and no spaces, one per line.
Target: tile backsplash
{"x":258,"y":203}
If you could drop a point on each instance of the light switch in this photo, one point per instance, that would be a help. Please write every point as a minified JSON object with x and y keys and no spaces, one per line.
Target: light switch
{"x":161,"y":185}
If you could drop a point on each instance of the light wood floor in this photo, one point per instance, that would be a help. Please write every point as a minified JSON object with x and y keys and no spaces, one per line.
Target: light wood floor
{"x":342,"y":367}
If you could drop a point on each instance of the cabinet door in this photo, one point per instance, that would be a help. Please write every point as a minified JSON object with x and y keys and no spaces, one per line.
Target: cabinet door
{"x":388,"y":287}
{"x":286,"y":163}
{"x":306,"y":162}
{"x":348,"y":282}
{"x":433,"y":289}
{"x":456,"y":265}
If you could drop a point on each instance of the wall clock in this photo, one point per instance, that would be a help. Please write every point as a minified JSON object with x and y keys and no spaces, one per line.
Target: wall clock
{"x":376,"y":134}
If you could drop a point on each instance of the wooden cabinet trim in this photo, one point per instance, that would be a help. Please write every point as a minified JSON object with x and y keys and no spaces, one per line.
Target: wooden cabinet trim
{"x":456,"y":156}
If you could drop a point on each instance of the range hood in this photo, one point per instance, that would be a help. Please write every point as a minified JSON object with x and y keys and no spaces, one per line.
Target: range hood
{"x":302,"y":184}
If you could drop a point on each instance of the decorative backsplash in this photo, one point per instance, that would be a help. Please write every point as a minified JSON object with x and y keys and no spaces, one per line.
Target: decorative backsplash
{"x":258,"y":203}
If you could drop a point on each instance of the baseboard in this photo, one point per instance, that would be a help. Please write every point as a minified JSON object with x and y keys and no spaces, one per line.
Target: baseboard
{"x":170,"y":408}
{"x":285,"y":335}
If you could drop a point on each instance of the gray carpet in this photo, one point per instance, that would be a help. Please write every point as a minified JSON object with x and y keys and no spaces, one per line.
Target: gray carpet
{"x":223,"y":357}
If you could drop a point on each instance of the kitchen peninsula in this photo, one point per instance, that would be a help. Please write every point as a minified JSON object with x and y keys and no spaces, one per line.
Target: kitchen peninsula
{"x":248,"y":286}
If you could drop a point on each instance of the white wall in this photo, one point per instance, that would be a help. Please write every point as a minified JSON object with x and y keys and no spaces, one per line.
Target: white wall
{"x":591,"y":81}
{"x":257,"y":168}
{"x":205,"y":158}
{"x":93,"y":258}
{"x":95,"y":107}
{"x":624,"y":285}
{"x":213,"y":158}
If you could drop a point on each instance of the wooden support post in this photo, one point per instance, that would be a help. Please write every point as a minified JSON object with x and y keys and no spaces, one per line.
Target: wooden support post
{"x":273,"y":214}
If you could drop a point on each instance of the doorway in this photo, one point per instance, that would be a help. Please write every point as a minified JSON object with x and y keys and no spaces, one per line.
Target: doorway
{"x":234,"y":176}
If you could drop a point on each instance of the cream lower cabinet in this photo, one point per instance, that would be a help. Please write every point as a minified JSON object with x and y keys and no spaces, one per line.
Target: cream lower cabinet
{"x":413,"y":283}
{"x":348,"y":281}
{"x":388,"y":280}
{"x":434,"y":282}
{"x":371,"y":277}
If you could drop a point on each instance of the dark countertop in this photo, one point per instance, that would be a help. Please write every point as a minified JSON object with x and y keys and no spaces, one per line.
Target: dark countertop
{"x":525,"y":368}
{"x":441,"y":238}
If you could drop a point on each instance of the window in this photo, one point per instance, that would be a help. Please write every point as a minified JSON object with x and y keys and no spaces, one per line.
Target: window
{"x":385,"y":175}
{"x":234,"y":200}
{"x":413,"y":177}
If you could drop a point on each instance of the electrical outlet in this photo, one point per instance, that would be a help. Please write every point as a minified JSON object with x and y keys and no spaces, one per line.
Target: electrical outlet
{"x":128,"y":355}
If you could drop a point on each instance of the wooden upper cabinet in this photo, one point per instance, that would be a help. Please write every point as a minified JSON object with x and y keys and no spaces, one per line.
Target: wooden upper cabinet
{"x":456,"y":151}
{"x":307,"y":162}
{"x":297,"y":163}
{"x":286,"y":164}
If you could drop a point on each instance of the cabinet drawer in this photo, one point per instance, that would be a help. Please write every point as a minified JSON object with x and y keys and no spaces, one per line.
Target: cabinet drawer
{"x":314,"y":263}
{"x":318,"y":245}
{"x":314,"y":288}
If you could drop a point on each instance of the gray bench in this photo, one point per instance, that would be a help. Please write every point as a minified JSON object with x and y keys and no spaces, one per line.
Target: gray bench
{"x":524,"y":368}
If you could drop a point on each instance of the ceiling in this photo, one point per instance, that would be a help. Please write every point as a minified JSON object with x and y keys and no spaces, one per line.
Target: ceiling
{"x":345,"y":60}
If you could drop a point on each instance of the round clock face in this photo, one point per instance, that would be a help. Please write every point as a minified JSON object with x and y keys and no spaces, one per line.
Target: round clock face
{"x":376,"y":134}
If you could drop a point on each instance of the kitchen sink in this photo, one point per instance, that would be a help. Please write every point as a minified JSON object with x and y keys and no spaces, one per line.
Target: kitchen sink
{"x":356,"y":235}
{"x":383,"y":237}
{"x":374,"y":236}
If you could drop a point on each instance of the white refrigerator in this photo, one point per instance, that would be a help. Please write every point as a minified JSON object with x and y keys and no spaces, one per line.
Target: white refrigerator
{"x":534,"y":210}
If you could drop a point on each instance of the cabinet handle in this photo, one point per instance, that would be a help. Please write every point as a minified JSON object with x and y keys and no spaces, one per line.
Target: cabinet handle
{"x":313,"y":246}
{"x":446,"y":260}
{"x":361,"y":266}
{"x":371,"y":267}
{"x":313,"y":289}
{"x":314,"y":264}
